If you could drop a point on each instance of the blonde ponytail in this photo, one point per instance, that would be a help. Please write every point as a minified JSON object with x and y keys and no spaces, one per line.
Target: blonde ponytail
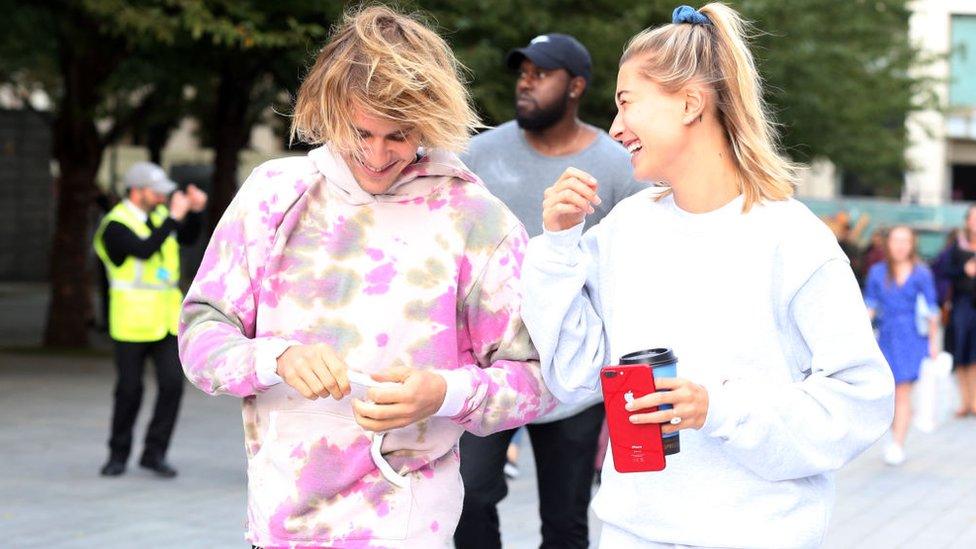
{"x":717,"y":54}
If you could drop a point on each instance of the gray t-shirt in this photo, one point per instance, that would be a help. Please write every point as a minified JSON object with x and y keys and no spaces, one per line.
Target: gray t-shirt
{"x":518,"y":175}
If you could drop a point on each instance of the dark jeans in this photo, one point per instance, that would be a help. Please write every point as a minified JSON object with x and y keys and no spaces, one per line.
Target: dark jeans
{"x":564,"y":454}
{"x":130,"y":361}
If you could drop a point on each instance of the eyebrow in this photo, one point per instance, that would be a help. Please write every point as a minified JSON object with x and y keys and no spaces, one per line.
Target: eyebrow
{"x":394,"y":135}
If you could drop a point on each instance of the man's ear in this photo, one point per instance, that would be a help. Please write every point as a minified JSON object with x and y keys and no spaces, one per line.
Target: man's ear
{"x":695,"y":103}
{"x":577,"y":86}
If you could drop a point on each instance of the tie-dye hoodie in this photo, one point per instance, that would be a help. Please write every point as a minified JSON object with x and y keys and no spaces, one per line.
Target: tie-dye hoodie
{"x":426,"y":275}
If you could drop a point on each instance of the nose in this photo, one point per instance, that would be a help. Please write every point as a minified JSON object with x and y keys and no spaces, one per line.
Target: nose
{"x":617,"y":129}
{"x":374,"y":152}
{"x":523,"y":84}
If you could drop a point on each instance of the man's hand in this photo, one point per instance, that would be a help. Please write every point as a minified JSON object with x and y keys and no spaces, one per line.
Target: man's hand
{"x":198,"y":198}
{"x":418,"y":396}
{"x":179,"y":204}
{"x":314,"y":371}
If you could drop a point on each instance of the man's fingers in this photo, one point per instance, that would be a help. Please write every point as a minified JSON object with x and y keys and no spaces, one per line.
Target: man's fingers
{"x":382,"y":412}
{"x":388,"y":395}
{"x":329,"y":386}
{"x":312,"y":381}
{"x":303,"y":388}
{"x":331,"y":369}
{"x":396,"y":374}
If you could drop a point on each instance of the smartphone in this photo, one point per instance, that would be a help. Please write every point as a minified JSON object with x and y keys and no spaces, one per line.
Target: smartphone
{"x":635,"y":447}
{"x":359,"y":383}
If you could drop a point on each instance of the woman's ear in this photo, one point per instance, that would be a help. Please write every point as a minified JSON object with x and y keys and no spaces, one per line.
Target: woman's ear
{"x":695,"y":99}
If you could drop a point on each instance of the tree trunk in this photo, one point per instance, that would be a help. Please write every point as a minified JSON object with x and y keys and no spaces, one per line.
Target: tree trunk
{"x":156,"y":137}
{"x":231,"y":131}
{"x":87,"y":58}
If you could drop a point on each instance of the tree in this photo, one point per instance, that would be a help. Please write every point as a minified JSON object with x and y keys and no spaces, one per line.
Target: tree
{"x":836,"y":71}
{"x":107,"y":61}
{"x":71,"y":52}
{"x":255,"y":51}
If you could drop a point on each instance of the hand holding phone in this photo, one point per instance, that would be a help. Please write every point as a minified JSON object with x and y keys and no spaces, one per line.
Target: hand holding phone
{"x":635,"y":447}
{"x":360,"y":383}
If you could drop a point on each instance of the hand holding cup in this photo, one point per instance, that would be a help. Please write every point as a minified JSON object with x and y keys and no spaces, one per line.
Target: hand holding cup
{"x":688,"y":400}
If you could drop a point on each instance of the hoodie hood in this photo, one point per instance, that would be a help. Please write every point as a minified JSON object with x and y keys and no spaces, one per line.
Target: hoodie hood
{"x":419,"y":179}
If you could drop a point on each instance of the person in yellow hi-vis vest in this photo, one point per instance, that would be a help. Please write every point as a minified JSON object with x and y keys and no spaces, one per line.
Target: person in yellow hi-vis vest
{"x":139,"y":243}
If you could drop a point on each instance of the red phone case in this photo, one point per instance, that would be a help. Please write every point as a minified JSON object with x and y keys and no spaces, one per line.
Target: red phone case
{"x":635,"y":447}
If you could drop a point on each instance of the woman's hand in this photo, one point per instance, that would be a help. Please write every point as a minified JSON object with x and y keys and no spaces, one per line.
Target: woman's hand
{"x":314,"y":371}
{"x":569,"y":200}
{"x":417,"y":396}
{"x":689,"y":402}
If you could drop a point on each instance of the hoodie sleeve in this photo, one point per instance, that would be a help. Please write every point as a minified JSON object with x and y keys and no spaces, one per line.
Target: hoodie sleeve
{"x":218,"y":348}
{"x":503,"y":389}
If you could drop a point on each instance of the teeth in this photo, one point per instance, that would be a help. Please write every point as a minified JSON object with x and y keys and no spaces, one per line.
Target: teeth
{"x":634,"y":147}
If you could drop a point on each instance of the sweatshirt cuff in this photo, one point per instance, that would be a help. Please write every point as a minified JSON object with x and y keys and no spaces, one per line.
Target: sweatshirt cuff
{"x":266,"y":359}
{"x":721,"y":419}
{"x":567,"y":238}
{"x":561,"y":247}
{"x":458,"y":391}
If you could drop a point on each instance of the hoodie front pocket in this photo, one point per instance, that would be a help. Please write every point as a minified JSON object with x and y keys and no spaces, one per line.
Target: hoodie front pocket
{"x":314,"y":480}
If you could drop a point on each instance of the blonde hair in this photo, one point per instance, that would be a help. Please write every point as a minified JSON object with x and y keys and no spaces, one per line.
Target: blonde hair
{"x":393,"y":67}
{"x":717,"y":55}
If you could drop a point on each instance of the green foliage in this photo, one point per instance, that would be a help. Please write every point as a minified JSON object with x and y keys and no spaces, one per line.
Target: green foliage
{"x":483,"y":31}
{"x":836,"y":71}
{"x":838,"y":76}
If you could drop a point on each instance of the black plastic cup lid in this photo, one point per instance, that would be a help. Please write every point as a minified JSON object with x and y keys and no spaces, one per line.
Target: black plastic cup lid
{"x":653,"y":357}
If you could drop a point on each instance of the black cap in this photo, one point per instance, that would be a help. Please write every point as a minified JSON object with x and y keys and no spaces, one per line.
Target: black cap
{"x":553,"y":51}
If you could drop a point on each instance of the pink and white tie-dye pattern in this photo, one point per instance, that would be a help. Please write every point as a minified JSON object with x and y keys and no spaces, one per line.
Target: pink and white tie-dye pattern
{"x":425,"y":276}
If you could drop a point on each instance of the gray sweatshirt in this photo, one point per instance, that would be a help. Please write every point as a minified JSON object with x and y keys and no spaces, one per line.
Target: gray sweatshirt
{"x":762,"y":309}
{"x":519,"y":175}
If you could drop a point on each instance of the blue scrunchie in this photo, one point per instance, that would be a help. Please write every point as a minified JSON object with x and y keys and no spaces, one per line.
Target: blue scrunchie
{"x":688,"y":14}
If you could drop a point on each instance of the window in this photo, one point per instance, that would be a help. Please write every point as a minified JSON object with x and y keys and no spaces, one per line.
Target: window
{"x":962,"y":64}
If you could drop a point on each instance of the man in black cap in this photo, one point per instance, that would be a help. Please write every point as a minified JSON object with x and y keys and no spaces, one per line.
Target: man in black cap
{"x":517,"y":161}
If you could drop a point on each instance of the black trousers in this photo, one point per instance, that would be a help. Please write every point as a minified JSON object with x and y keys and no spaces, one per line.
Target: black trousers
{"x":564,"y":454}
{"x":130,"y":361}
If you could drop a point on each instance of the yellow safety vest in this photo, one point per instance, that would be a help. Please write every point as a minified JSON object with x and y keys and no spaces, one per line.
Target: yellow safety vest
{"x":144,"y":295}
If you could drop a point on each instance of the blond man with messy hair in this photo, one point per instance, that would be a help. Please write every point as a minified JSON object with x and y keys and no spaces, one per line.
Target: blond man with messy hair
{"x":363,"y":301}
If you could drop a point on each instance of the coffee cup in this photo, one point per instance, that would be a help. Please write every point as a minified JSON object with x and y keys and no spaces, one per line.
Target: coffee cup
{"x":664,"y":364}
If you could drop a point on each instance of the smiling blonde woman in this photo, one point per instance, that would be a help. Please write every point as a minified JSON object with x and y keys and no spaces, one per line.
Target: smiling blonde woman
{"x":377,"y":259}
{"x":780,"y":382}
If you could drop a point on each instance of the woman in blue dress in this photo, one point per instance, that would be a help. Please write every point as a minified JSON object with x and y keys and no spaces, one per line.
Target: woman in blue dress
{"x":895,"y":290}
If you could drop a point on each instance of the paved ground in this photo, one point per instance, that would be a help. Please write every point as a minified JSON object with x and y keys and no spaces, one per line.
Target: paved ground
{"x":54,"y":415}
